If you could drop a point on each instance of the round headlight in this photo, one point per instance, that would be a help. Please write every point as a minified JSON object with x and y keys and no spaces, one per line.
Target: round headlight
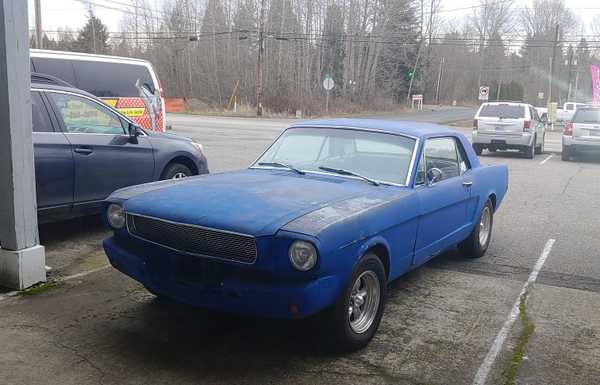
{"x":115,"y":216}
{"x":303,"y":255}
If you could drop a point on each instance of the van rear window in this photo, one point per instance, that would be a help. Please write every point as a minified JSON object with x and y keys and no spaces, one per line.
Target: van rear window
{"x":504,"y":111}
{"x":111,"y":79}
{"x":101,"y":79}
{"x":588,"y":115}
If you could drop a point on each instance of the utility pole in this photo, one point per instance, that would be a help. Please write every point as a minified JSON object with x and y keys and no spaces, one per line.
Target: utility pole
{"x":439,"y":80}
{"x":259,"y":63}
{"x":553,"y":63}
{"x":38,"y":25}
{"x":570,"y":63}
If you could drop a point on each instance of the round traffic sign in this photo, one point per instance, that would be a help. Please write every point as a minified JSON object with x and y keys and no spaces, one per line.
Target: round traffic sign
{"x":328,"y":83}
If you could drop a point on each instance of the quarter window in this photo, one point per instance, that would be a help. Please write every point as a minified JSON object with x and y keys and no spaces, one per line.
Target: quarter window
{"x":84,"y":116}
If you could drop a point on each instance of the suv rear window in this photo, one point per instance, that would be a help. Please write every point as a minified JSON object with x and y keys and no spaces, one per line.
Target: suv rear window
{"x":588,"y":115}
{"x":504,"y":111}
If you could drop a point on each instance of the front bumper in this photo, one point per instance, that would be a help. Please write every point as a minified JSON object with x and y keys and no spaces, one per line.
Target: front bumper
{"x":245,"y":294}
{"x":503,"y":140}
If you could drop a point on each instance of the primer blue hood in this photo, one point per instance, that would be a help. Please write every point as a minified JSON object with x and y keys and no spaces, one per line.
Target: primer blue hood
{"x":254,"y":201}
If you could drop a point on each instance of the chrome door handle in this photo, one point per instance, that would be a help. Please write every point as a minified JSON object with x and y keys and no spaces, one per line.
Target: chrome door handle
{"x":467,"y":183}
{"x":84,"y":151}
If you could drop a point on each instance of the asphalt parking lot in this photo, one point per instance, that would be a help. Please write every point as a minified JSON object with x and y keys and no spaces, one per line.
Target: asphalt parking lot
{"x":441,"y":324}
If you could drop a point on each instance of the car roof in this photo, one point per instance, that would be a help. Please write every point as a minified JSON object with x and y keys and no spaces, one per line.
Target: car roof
{"x":55,"y":87}
{"x":398,"y":127}
{"x":498,"y":103}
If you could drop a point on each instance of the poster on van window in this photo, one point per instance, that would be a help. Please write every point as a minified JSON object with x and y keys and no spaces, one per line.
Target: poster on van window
{"x":595,"y":84}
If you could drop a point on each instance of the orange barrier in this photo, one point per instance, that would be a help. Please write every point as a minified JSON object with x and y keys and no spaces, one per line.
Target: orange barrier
{"x":175,"y":104}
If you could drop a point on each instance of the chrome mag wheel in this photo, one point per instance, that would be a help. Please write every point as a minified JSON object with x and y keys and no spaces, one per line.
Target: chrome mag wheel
{"x":364,"y":302}
{"x":485,"y":226}
{"x":179,"y":175}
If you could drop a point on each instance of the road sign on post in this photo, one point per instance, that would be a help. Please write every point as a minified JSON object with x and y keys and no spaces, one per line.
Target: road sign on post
{"x":417,"y":98}
{"x":328,"y":84}
{"x":484,"y":93}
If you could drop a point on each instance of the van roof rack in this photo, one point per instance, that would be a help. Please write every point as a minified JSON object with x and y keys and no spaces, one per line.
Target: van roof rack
{"x":40,"y":78}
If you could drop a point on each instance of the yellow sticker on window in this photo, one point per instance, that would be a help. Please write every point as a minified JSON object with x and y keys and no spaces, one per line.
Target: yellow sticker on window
{"x":110,"y":102}
{"x":132,"y":112}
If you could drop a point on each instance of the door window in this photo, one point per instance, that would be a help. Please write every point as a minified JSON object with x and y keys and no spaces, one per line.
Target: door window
{"x":39,"y":114}
{"x":84,"y":116}
{"x":441,"y":153}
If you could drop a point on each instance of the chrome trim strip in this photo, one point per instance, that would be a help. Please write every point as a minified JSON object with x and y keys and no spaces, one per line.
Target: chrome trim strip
{"x":127,"y":214}
{"x":411,"y":168}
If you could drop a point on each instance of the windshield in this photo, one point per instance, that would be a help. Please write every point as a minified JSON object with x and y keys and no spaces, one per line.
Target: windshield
{"x":504,"y":111}
{"x":378,"y":156}
{"x":587,"y":116}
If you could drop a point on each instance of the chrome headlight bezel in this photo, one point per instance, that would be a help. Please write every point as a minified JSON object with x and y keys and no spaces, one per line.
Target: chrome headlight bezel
{"x":115,"y":216}
{"x":303,"y":255}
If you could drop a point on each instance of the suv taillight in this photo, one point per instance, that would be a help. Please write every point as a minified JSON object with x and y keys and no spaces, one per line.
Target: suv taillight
{"x":475,"y":124}
{"x":526,"y":125}
{"x":568,"y":129}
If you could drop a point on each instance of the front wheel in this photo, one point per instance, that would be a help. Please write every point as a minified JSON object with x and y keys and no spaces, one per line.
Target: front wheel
{"x":355,"y":317}
{"x":478,"y":242}
{"x":176,"y":171}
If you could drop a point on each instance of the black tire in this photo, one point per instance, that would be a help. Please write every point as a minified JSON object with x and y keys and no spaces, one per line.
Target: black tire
{"x":176,"y":171}
{"x":472,"y":246}
{"x":530,"y":151}
{"x":478,"y":149}
{"x":540,"y":149}
{"x":564,"y":155}
{"x":493,"y":149}
{"x":344,"y":338}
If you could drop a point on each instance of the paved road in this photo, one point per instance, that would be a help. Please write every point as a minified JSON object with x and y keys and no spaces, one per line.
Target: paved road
{"x":440,"y":324}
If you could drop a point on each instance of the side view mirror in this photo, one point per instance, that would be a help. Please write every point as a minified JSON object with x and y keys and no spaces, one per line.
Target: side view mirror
{"x":434,"y":175}
{"x":133,"y":132}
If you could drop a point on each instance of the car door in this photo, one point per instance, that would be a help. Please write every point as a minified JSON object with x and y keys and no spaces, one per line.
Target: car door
{"x":444,"y":204}
{"x":54,"y":165}
{"x":105,"y":157}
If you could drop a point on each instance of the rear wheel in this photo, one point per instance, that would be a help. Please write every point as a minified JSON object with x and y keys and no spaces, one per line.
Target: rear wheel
{"x":355,"y":317}
{"x":540,"y":149}
{"x":492,"y":149}
{"x":566,"y":154}
{"x":530,"y":151}
{"x":176,"y":171}
{"x":478,"y":242}
{"x":478,"y":149}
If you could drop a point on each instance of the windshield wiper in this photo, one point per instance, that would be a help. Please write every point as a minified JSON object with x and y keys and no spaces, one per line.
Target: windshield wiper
{"x":349,"y":173}
{"x":284,"y":165}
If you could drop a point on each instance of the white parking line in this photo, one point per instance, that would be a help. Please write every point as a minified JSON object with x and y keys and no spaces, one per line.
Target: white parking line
{"x":547,"y":159}
{"x":490,"y":358}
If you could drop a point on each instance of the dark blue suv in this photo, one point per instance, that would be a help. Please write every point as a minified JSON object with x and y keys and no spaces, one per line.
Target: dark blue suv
{"x":84,"y":150}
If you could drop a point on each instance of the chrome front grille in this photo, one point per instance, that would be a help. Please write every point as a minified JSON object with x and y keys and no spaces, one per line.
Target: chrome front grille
{"x":193,"y":239}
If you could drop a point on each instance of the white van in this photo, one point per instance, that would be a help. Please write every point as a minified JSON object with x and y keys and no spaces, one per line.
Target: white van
{"x":129,"y":85}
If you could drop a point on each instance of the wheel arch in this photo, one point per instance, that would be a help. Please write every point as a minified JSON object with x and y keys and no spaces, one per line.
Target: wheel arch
{"x":181,"y":159}
{"x":380,"y":247}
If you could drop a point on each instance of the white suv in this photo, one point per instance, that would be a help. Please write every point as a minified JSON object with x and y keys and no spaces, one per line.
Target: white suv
{"x":507,"y":125}
{"x":582,"y":134}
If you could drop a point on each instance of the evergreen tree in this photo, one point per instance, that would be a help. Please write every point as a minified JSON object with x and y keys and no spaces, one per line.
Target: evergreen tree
{"x":333,"y":47}
{"x":93,"y":37}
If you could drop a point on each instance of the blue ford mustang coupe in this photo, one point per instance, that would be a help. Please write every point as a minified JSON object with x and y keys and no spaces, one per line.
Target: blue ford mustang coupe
{"x":320,"y":223}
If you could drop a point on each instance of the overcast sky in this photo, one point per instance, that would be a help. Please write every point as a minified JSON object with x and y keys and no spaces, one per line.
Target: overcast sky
{"x":71,"y":13}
